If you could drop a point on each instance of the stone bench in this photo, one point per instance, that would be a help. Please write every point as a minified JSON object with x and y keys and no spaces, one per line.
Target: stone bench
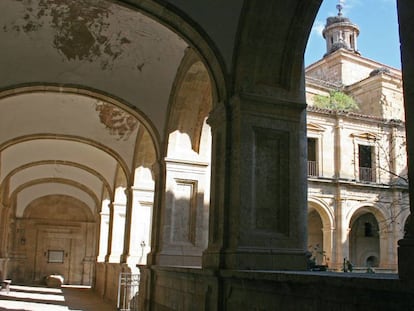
{"x":54,"y":280}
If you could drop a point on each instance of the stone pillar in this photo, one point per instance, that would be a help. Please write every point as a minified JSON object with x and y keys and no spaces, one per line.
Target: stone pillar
{"x":259,"y":186}
{"x":341,"y":237}
{"x":185,"y":218}
{"x":217,"y":120}
{"x":117,"y":233}
{"x":328,"y":245}
{"x":127,"y":225}
{"x":406,"y":23}
{"x":103,"y":233}
{"x":4,"y":220}
{"x":141,"y":215}
{"x":158,"y":212}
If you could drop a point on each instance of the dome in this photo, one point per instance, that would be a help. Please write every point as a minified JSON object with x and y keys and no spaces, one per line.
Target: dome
{"x":336,"y":20}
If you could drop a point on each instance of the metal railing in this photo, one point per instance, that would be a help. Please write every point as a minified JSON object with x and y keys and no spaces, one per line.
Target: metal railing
{"x":313,"y":168}
{"x":128,"y":290}
{"x":366,"y":174}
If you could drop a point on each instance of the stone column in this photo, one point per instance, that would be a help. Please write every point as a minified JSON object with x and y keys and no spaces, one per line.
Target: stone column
{"x":406,"y":22}
{"x":117,"y":233}
{"x":259,"y":186}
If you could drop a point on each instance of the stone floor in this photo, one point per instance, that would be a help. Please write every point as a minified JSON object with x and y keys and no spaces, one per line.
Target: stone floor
{"x":29,"y":298}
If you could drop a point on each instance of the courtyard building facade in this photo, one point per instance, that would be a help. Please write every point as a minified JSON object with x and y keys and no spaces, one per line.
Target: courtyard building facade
{"x":357,"y":167}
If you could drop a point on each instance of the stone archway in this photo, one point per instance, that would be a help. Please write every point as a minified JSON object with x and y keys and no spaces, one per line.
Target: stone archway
{"x":320,"y":232}
{"x":187,"y":164}
{"x":56,"y":236}
{"x":315,"y":237}
{"x":364,"y":241}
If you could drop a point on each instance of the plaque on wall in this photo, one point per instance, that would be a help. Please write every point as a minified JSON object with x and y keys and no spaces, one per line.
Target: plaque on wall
{"x":55,"y":256}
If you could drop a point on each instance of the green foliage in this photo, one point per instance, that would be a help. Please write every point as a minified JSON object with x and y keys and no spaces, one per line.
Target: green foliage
{"x":336,"y":101}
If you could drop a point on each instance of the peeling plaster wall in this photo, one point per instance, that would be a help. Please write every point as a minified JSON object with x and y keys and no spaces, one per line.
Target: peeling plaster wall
{"x":95,"y":44}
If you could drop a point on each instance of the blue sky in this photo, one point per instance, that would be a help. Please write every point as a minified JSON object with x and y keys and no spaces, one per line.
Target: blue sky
{"x":378,"y":24}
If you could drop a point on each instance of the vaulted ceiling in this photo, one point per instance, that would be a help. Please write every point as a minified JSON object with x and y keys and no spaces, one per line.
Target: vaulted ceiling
{"x":54,"y":141}
{"x":85,"y":85}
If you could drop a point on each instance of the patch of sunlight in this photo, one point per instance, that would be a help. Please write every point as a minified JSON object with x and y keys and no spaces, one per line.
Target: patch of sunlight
{"x":32,"y":306}
{"x":76,"y":286}
{"x":36,"y":289}
{"x":35,"y":296}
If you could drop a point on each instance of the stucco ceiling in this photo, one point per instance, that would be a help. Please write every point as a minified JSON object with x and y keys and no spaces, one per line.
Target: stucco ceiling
{"x":94,"y":44}
{"x":81,"y":82}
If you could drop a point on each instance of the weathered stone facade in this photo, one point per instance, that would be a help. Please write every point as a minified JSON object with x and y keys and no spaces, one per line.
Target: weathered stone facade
{"x":341,"y":190}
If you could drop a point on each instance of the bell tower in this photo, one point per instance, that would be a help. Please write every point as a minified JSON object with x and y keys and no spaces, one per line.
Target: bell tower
{"x":340,"y":33}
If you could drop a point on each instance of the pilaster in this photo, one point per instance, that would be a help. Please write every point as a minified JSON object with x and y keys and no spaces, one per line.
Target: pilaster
{"x":158,"y":211}
{"x":258,"y":212}
{"x":185,"y":218}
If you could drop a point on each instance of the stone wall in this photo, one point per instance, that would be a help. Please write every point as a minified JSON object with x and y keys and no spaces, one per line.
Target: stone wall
{"x":100,"y":277}
{"x":107,"y":280}
{"x":194,"y":289}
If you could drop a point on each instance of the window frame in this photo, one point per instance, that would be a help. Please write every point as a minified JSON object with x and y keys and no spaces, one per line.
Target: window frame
{"x":365,"y":139}
{"x":315,"y":131}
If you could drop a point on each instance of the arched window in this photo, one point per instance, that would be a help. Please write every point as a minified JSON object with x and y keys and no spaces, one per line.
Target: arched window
{"x":372,"y":261}
{"x":368,"y":229}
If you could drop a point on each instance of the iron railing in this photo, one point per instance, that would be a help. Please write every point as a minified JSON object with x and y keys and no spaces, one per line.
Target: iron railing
{"x":313,"y":168}
{"x":366,"y":174}
{"x":128,"y":290}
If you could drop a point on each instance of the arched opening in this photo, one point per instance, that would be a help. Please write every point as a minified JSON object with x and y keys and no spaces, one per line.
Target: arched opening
{"x":372,"y":261}
{"x":102,"y":109}
{"x":349,"y":86}
{"x":188,"y":160}
{"x":320,"y":232}
{"x":259,"y":192}
{"x":77,"y":154}
{"x":51,"y":237}
{"x":315,"y":237}
{"x":364,"y":241}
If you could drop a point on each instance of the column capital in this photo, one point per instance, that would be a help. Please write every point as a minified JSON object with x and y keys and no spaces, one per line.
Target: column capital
{"x":217,"y":116}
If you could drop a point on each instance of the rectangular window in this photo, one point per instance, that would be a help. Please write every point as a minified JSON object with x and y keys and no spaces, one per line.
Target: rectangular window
{"x":312,"y":157}
{"x":366,"y":167}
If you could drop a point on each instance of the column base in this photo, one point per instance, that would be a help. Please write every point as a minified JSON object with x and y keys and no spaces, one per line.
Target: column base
{"x":405,"y":256}
{"x":114,"y":258}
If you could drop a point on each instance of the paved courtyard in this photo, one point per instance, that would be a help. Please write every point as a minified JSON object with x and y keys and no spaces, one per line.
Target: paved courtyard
{"x":29,"y":298}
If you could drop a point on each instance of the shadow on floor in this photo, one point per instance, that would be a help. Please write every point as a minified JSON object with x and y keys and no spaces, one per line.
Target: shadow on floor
{"x":37,"y":298}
